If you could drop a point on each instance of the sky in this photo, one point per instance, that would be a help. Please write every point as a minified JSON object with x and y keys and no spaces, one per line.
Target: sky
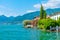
{"x":21,"y":7}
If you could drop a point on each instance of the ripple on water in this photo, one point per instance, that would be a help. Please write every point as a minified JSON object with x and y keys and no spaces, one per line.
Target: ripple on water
{"x":18,"y":32}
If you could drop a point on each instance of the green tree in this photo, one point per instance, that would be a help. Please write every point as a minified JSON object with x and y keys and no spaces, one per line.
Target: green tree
{"x":45,"y":15}
{"x":59,"y":18}
{"x":46,"y":23}
{"x":42,"y":12}
{"x":25,"y":22}
{"x":58,"y":21}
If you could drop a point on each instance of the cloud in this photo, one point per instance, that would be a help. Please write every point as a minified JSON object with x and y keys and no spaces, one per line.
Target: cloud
{"x":28,"y":11}
{"x":8,"y":11}
{"x":49,"y":4}
{"x":37,"y":5}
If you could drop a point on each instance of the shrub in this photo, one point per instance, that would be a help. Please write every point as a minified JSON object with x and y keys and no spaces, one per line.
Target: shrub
{"x":58,"y":22}
{"x":46,"y":23}
{"x":25,"y":22}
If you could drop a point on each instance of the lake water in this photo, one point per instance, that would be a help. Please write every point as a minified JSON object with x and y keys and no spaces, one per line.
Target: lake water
{"x":18,"y":32}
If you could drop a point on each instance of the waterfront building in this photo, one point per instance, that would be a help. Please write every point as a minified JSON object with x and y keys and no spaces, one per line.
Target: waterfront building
{"x":55,"y":16}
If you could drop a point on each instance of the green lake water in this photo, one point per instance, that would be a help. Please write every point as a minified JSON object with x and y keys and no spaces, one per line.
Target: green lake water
{"x":18,"y":32}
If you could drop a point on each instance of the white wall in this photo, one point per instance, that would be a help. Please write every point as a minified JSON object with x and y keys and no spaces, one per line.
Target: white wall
{"x":55,"y":17}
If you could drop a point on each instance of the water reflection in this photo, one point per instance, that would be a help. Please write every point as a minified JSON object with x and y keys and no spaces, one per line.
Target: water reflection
{"x":57,"y":36}
{"x":49,"y":36}
{"x":18,"y":32}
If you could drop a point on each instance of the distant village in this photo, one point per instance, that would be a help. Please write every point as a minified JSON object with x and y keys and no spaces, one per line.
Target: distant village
{"x":33,"y":23}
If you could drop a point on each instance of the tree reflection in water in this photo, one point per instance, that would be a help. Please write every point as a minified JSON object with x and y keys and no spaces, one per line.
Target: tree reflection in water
{"x":49,"y":36}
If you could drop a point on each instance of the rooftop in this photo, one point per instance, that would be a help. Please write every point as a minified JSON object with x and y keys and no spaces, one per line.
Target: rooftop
{"x":56,"y":13}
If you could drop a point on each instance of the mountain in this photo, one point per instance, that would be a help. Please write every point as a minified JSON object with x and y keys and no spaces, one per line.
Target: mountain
{"x":3,"y":18}
{"x":30,"y":16}
{"x":27,"y":16}
{"x":51,"y":11}
{"x":10,"y":19}
{"x":18,"y":19}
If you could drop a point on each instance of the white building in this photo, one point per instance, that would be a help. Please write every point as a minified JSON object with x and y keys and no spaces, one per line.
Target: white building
{"x":55,"y":16}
